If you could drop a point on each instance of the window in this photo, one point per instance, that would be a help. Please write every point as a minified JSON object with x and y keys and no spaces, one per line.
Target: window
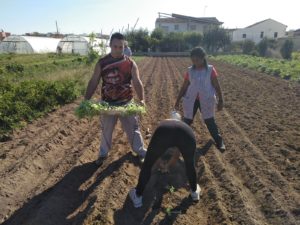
{"x":176,"y":27}
{"x":261,"y":34}
{"x":244,"y":35}
{"x":193,"y":27}
{"x":275,"y":34}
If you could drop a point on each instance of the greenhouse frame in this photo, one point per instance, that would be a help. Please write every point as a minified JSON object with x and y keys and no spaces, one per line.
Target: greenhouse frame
{"x":28,"y":44}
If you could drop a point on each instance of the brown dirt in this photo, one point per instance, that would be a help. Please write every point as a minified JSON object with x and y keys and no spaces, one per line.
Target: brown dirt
{"x":48,"y":175}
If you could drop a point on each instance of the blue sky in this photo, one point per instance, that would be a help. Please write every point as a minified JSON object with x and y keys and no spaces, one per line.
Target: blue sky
{"x":85,"y":16}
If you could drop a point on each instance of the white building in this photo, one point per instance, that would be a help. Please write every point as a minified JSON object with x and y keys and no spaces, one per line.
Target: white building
{"x":28,"y":44}
{"x":180,"y":23}
{"x":268,"y":28}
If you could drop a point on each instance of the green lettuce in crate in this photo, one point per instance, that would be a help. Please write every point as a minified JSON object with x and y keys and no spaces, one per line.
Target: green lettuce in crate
{"x":88,"y":108}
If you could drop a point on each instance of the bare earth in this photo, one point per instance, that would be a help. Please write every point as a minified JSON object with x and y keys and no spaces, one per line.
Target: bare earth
{"x":48,"y":175}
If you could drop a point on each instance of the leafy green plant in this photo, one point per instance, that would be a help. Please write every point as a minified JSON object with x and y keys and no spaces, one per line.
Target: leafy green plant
{"x":287,"y":69}
{"x":89,"y":108}
{"x":14,"y":68}
{"x":24,"y":101}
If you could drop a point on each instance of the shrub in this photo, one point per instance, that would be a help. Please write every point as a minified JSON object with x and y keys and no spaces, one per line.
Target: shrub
{"x":287,"y":49}
{"x":14,"y":68}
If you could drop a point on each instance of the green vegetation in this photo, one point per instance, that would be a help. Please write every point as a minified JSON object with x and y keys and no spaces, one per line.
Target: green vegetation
{"x":22,"y":102}
{"x":89,"y":108}
{"x":22,"y":67}
{"x":287,"y":69}
{"x":32,"y":85}
{"x":158,"y":40}
{"x":287,"y":49}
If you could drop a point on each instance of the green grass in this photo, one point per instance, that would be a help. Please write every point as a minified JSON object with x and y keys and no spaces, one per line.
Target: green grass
{"x":287,"y":69}
{"x":22,"y":67}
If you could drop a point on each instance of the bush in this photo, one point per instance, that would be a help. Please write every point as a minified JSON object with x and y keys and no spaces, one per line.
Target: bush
{"x":254,"y":53}
{"x":287,"y":49}
{"x":296,"y":56}
{"x":14,"y":68}
{"x":27,"y":100}
{"x":91,"y":57}
{"x":262,"y":47}
{"x":248,"y":46}
{"x":216,"y":39}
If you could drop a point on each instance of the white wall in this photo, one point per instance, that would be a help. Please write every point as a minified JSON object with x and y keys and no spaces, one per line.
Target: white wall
{"x":268,"y":27}
{"x":183,"y":27}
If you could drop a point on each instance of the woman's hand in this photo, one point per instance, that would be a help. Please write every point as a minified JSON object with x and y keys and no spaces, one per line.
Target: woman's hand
{"x":176,"y":107}
{"x":220,"y":105}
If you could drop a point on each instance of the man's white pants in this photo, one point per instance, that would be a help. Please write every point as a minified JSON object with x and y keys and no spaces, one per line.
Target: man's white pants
{"x":130,"y":126}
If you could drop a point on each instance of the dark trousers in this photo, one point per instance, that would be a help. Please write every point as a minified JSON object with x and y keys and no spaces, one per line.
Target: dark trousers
{"x":210,"y":123}
{"x":162,"y":139}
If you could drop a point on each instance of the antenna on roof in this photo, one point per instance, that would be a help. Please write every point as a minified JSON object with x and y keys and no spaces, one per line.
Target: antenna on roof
{"x":204,"y":10}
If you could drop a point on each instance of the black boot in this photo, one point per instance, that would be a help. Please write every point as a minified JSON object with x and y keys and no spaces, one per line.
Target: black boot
{"x":214,"y":132}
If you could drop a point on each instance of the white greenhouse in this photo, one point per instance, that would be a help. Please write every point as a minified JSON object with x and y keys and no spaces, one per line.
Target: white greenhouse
{"x":80,"y":45}
{"x":28,"y":44}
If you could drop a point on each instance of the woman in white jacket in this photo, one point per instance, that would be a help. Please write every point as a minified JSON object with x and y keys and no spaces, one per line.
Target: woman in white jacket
{"x":199,"y":91}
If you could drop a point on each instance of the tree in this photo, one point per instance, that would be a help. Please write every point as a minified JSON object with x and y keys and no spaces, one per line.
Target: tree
{"x":216,"y":39}
{"x":92,"y":54}
{"x":173,"y":42}
{"x":139,"y":40}
{"x":193,"y":39}
{"x":158,"y":33}
{"x":287,"y":49}
{"x":262,"y":47}
{"x":156,"y":38}
{"x":248,"y":46}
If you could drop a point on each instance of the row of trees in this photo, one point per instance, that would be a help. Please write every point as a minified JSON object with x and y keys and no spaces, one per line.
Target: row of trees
{"x":214,"y":40}
{"x":264,"y":48}
{"x":158,"y":40}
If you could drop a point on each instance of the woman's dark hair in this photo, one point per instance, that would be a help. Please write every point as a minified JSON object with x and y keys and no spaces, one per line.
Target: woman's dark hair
{"x":118,"y":36}
{"x":199,"y":52}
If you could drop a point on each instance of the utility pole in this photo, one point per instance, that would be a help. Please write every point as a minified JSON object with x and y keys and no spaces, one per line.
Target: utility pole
{"x":135,"y":23}
{"x":204,"y":10}
{"x":57,"y":32}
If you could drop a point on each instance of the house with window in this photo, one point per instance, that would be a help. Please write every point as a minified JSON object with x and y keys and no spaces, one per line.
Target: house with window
{"x":181,"y":23}
{"x":268,"y":28}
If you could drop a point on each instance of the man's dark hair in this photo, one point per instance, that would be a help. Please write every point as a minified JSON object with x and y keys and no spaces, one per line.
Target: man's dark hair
{"x":118,"y":36}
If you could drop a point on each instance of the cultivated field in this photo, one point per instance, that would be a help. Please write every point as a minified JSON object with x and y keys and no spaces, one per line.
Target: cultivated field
{"x":48,"y":176}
